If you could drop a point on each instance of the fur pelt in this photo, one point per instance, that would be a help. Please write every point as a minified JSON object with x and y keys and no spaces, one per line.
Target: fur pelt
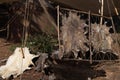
{"x":17,"y":63}
{"x":73,"y":35}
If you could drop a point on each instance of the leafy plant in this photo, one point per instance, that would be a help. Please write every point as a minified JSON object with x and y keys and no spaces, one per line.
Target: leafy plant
{"x":42,"y":43}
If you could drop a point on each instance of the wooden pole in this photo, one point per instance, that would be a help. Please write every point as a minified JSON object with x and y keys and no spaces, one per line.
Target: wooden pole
{"x":116,"y":10}
{"x":77,"y":11}
{"x":58,"y":29}
{"x":90,"y":38}
{"x":102,"y":8}
{"x":58,"y":24}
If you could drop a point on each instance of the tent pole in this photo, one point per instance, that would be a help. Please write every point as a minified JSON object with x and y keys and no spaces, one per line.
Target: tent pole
{"x":90,"y":37}
{"x":58,"y":29}
{"x":102,"y":8}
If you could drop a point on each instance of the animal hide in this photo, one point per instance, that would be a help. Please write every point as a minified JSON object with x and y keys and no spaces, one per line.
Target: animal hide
{"x":101,"y":37}
{"x":44,"y":65}
{"x":73,"y":35}
{"x":17,"y":63}
{"x":41,"y":62}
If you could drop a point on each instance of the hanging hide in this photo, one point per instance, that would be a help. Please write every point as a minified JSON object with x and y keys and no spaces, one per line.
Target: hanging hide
{"x":17,"y":63}
{"x":73,"y":35}
{"x":101,"y":37}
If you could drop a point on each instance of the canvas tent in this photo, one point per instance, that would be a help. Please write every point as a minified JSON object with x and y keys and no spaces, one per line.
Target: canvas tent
{"x":91,"y":5}
{"x":110,"y":6}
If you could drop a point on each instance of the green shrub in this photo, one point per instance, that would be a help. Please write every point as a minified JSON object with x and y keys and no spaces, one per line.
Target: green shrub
{"x":42,"y":43}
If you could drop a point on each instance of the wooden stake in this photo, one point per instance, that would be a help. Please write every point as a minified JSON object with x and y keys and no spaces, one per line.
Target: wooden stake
{"x":58,"y":29}
{"x":90,"y":38}
{"x":102,"y":8}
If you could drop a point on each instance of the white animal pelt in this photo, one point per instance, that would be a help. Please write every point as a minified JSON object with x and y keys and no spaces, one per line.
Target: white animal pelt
{"x":16,"y":63}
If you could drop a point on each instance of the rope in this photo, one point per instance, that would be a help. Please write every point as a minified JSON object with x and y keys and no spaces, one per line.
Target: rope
{"x":8,"y":23}
{"x":26,"y":24}
{"x":25,"y":27}
{"x":11,"y":20}
{"x":25,"y":32}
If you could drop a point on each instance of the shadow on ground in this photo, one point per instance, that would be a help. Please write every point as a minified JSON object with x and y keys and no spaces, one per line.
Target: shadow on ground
{"x":74,"y":70}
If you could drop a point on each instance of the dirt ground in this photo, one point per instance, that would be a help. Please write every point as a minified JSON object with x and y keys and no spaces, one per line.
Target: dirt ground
{"x":68,"y":70}
{"x":4,"y":49}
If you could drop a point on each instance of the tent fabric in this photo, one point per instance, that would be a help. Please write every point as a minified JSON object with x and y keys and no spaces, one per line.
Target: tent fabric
{"x":91,"y":5}
{"x":85,"y":5}
{"x":7,"y":1}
